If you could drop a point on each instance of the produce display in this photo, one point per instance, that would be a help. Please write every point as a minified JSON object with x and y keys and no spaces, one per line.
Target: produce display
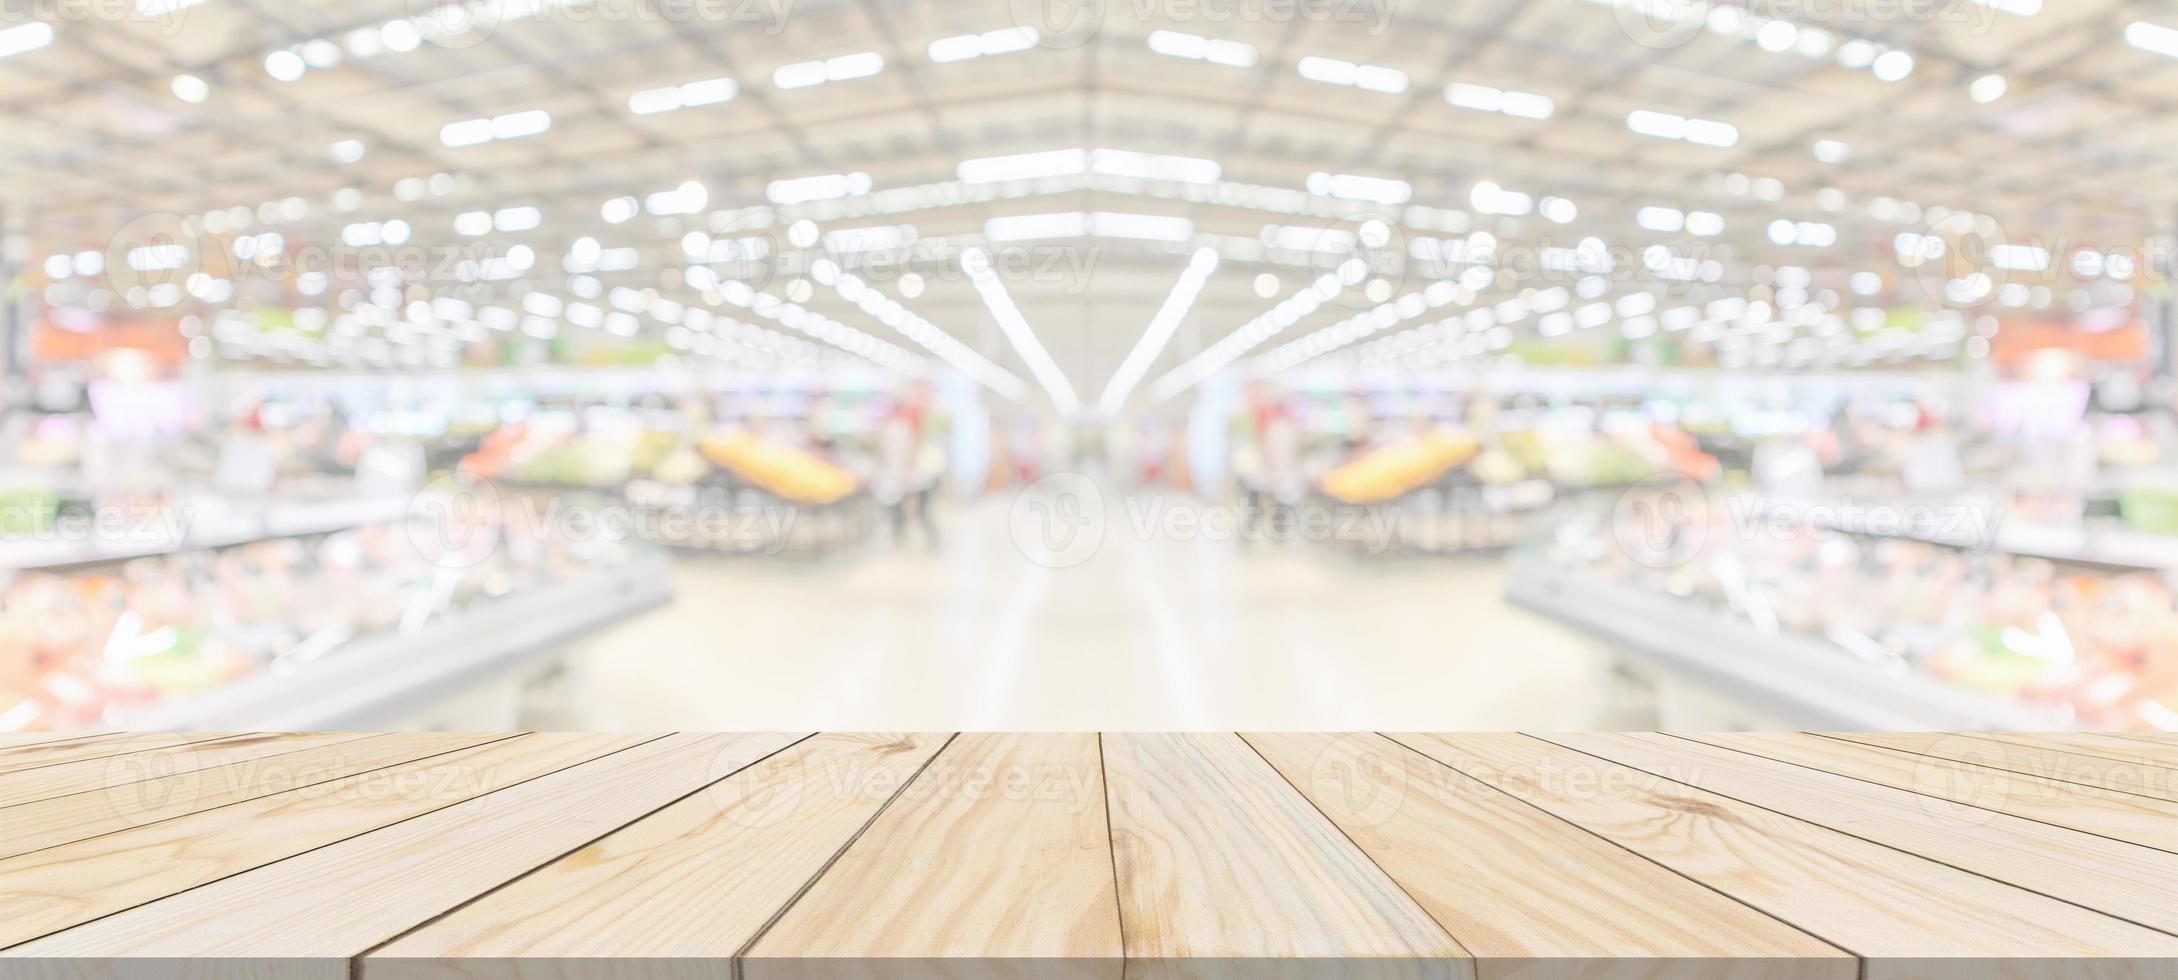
{"x":2097,"y":648}
{"x":792,"y":474}
{"x":78,"y":645}
{"x":1396,"y":471}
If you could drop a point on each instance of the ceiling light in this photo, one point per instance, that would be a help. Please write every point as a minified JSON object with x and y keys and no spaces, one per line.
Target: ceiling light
{"x":1151,"y":166}
{"x":1891,"y":66}
{"x":709,"y":91}
{"x":1293,"y":309}
{"x":803,"y":74}
{"x":966,"y":46}
{"x":1559,"y":210}
{"x":24,"y":38}
{"x":977,"y":264}
{"x":191,"y":89}
{"x":1988,"y":88}
{"x":1024,"y":166}
{"x":1375,"y":190}
{"x":286,"y":66}
{"x":1160,"y":331}
{"x":1333,"y":71}
{"x":346,"y":151}
{"x":2140,"y":34}
{"x":824,"y":187}
{"x":2023,"y":8}
{"x":1483,"y":98}
{"x":1194,"y":47}
{"x":1266,"y":285}
{"x":513,"y":125}
{"x":517,"y":219}
{"x":1661,"y":219}
{"x":1671,"y":126}
{"x":1832,"y":151}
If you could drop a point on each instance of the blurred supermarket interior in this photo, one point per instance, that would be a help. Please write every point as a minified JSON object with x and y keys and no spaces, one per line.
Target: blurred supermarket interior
{"x":1148,"y":365}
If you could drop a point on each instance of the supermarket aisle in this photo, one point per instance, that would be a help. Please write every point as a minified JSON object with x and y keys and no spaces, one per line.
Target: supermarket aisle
{"x":1150,"y":633}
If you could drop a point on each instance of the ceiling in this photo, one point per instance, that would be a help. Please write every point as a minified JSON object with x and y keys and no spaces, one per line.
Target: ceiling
{"x":96,"y":146}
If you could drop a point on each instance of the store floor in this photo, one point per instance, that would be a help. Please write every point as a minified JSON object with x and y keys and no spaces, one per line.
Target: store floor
{"x":1151,"y":633}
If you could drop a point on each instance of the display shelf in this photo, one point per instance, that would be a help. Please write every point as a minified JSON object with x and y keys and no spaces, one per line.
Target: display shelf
{"x":380,"y":677}
{"x":796,"y":856}
{"x":1803,"y":680}
{"x":147,"y":538}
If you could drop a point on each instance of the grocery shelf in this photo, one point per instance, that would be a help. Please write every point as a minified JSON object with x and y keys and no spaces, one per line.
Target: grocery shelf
{"x":147,"y":539}
{"x":1802,"y":679}
{"x":797,"y":856}
{"x":381,"y":677}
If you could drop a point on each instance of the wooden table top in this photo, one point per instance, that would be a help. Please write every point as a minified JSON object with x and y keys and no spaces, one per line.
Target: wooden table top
{"x":802,"y":856}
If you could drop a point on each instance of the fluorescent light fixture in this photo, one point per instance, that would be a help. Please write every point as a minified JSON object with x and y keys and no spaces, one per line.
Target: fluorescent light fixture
{"x":968,"y":46}
{"x":1101,"y":224}
{"x":1671,"y":126}
{"x":1033,"y":227}
{"x":517,"y":219}
{"x":1707,"y":224}
{"x":191,"y":89}
{"x":1484,"y":98}
{"x":1305,"y":238}
{"x":155,"y":8}
{"x":1832,"y":151}
{"x":1159,"y":333}
{"x":1334,"y":71}
{"x":1195,"y":47}
{"x":803,"y":74}
{"x":1024,"y":166}
{"x":346,"y":151}
{"x":473,"y":224}
{"x":709,"y":91}
{"x":1488,"y":198}
{"x":844,"y":241}
{"x":1152,"y":166}
{"x":824,"y":187}
{"x":2023,"y":8}
{"x":287,"y":66}
{"x":513,"y":125}
{"x":1988,"y":88}
{"x":2140,"y":34}
{"x":1293,"y":309}
{"x":1892,"y":66}
{"x":977,"y":264}
{"x":1375,"y":190}
{"x":1665,"y":220}
{"x":1141,"y":227}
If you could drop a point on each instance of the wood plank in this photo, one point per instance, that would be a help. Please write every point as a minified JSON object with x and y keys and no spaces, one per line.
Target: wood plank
{"x":995,"y":863}
{"x":50,"y":890}
{"x":1907,"y":916}
{"x":621,"y":908}
{"x":17,"y":740}
{"x":2138,"y":819}
{"x":2121,"y":879}
{"x":2120,"y":748}
{"x":307,"y":916}
{"x":1516,"y":885}
{"x":81,"y":816}
{"x":96,"y":747}
{"x":1226,"y":871}
{"x":2045,"y":758}
{"x":68,"y":778}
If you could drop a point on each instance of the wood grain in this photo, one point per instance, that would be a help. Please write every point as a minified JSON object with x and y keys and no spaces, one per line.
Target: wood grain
{"x":1907,"y":916}
{"x":94,"y":747}
{"x":622,"y":907}
{"x":2055,"y":758}
{"x":1226,"y":871}
{"x":2121,"y":879}
{"x":47,"y":782}
{"x":995,"y":863}
{"x":2122,"y":816}
{"x":320,"y":908}
{"x":1529,"y":895}
{"x":16,"y":740}
{"x":125,"y":804}
{"x":52,"y":889}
